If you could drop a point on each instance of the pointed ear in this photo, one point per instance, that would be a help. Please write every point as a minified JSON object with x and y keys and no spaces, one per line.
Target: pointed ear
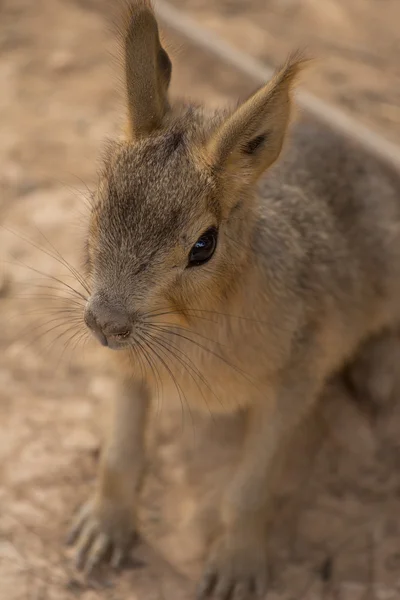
{"x":252,"y":137}
{"x":147,"y":68}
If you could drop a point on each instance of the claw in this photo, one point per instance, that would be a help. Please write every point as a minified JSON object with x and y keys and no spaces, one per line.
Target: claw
{"x":97,"y":552}
{"x":77,"y":525}
{"x":86,"y":539}
{"x":117,"y":558}
{"x":100,"y":535}
{"x":243,"y":591}
{"x":206,"y":585}
{"x":224,"y":588}
{"x":235,"y":574}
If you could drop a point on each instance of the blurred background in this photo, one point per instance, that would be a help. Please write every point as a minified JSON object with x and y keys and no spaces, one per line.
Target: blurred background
{"x":338,"y":535}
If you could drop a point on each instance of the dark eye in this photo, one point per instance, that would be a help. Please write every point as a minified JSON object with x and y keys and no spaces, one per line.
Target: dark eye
{"x":204,"y":248}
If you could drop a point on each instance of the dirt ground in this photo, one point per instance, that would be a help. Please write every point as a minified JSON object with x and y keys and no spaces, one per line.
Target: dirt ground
{"x":337,"y":532}
{"x":356,"y":44}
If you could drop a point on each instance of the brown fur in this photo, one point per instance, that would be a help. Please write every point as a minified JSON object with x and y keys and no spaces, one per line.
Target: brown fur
{"x":307,"y":267}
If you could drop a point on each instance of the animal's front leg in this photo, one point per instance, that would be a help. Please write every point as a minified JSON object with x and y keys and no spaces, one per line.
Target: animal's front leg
{"x":237,"y":564}
{"x":106,"y":524}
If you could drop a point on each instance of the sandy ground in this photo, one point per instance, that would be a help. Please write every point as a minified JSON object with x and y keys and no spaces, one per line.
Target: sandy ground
{"x":337,"y":532}
{"x":356,"y":44}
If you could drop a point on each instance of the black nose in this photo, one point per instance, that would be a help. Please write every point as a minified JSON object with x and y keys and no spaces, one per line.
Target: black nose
{"x":110,"y":325}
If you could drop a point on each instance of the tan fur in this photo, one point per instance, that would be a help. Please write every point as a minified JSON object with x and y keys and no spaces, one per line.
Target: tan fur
{"x":268,"y":110}
{"x":307,"y":267}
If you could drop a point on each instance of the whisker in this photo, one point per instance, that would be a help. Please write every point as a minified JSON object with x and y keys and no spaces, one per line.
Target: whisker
{"x":89,"y":193}
{"x":43,"y":296}
{"x":84,"y":339}
{"x":87,"y":197}
{"x":57,"y":257}
{"x":40,"y":314}
{"x":48,"y":276}
{"x":68,"y":313}
{"x":44,"y":333}
{"x":168,"y":327}
{"x":188,"y":368}
{"x":215,"y":354}
{"x":154,"y":314}
{"x":155,"y":372}
{"x":40,"y":286}
{"x":73,"y":343}
{"x":135,"y":352}
{"x":58,"y":319}
{"x":43,"y":351}
{"x":173,"y":378}
{"x":165,"y":350}
{"x":78,"y":276}
{"x":67,"y":344}
{"x":51,"y":344}
{"x":134,"y":356}
{"x":77,"y":340}
{"x":50,"y":298}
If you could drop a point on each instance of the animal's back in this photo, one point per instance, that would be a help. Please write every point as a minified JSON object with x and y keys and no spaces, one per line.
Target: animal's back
{"x":340,"y":172}
{"x":341,"y":207}
{"x":329,"y":230}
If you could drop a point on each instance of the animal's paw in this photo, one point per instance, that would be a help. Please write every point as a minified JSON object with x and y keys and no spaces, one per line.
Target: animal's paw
{"x":102,"y":532}
{"x":235,"y":573}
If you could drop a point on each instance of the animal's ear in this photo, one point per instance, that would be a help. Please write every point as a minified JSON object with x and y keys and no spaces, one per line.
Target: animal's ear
{"x":251,"y":138}
{"x":147,"y":68}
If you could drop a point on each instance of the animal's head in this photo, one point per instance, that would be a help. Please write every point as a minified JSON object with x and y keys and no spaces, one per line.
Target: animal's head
{"x":171,"y":224}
